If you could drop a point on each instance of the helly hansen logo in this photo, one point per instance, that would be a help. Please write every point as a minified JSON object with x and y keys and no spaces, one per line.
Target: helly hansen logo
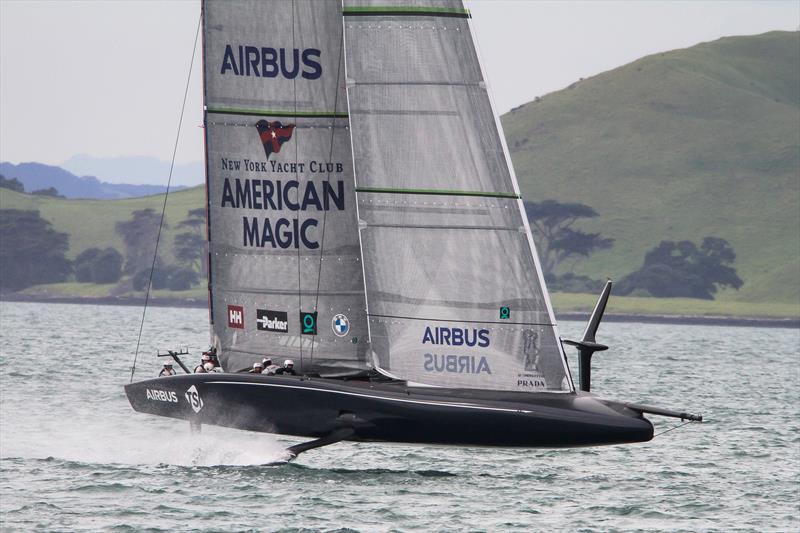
{"x":236,"y":316}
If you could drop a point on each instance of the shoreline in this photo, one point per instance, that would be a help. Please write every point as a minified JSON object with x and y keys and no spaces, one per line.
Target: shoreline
{"x":695,"y":320}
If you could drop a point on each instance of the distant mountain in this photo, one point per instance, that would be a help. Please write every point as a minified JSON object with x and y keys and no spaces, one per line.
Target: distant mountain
{"x":36,"y":176}
{"x":679,"y":145}
{"x":135,"y":169}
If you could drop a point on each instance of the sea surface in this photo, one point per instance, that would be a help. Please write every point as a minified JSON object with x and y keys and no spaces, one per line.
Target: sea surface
{"x":75,"y":457}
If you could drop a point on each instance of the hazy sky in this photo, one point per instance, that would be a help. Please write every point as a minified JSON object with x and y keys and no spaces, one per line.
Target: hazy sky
{"x":107,"y":78}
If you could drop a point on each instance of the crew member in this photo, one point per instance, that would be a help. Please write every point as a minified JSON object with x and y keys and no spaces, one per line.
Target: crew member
{"x":167,"y":370}
{"x":269,"y":368}
{"x":201,"y":368}
{"x":212,"y":353}
{"x":288,"y":368}
{"x":257,"y":368}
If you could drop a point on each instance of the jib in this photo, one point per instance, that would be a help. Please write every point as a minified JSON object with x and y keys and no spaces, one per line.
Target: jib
{"x":162,"y":395}
{"x":266,"y":62}
{"x":456,"y":336}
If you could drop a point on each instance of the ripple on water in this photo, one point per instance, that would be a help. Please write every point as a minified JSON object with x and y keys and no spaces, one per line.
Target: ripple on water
{"x":91,"y":464}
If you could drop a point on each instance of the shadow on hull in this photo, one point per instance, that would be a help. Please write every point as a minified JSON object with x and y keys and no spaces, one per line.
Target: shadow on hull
{"x":390,"y":411}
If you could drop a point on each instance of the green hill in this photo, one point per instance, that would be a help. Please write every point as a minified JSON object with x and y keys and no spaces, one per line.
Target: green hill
{"x":679,"y":145}
{"x":90,"y":223}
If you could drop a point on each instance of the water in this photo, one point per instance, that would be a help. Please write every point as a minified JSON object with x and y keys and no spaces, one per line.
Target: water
{"x":75,"y":457}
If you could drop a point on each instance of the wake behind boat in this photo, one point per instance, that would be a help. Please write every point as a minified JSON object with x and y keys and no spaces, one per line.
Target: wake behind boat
{"x":364,"y":220}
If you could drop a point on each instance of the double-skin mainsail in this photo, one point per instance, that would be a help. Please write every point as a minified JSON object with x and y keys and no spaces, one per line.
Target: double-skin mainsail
{"x":451,"y":293}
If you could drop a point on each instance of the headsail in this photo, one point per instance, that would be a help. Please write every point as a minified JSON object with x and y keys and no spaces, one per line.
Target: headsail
{"x":454,"y":293}
{"x":286,"y":275}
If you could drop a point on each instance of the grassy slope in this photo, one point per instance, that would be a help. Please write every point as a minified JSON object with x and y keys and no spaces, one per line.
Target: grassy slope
{"x":90,"y":223}
{"x":680,"y":145}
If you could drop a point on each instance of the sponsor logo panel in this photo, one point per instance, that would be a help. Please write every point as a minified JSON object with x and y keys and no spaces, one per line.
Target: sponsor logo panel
{"x":236,"y":316}
{"x":268,"y":320}
{"x":340,"y":325}
{"x":158,"y":395}
{"x":456,"y":337}
{"x":308,"y":323}
{"x":193,"y":397}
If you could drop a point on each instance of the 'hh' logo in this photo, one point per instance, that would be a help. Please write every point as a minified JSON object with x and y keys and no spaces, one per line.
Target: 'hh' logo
{"x":273,"y":135}
{"x":236,"y":316}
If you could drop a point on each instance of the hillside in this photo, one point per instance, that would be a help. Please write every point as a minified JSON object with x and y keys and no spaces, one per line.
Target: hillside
{"x":679,"y":145}
{"x":90,"y":223}
{"x":37,"y":176}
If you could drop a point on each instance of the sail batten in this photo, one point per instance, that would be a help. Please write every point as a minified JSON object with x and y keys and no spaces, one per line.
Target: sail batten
{"x":454,"y":295}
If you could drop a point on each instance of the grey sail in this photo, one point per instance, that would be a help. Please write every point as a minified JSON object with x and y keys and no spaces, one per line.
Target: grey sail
{"x":455,"y":296}
{"x":283,"y":241}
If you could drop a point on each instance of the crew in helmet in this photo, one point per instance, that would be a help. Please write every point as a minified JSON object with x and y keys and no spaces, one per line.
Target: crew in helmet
{"x":288,"y":368}
{"x":214,"y":358}
{"x":257,"y":368}
{"x":269,"y":368}
{"x":167,"y":370}
{"x":201,"y":368}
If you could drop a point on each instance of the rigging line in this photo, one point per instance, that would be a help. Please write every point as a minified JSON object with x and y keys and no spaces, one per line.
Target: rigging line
{"x":297,"y":178}
{"x":330,"y":159}
{"x":670,"y":429}
{"x":166,"y":195}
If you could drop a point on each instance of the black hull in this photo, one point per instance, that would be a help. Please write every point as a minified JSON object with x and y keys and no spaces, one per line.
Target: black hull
{"x":390,"y":412}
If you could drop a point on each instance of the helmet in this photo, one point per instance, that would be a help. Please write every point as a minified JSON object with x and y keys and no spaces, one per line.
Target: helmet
{"x":209,"y":367}
{"x":258,"y":365}
{"x":206,"y":357}
{"x":168,"y":365}
{"x":288,"y":362}
{"x":267,"y":361}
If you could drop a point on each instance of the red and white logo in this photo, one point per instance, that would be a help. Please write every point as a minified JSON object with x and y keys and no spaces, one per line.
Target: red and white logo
{"x":236,"y":316}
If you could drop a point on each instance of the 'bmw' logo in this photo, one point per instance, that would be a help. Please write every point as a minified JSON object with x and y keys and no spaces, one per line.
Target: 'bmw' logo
{"x":340,"y":325}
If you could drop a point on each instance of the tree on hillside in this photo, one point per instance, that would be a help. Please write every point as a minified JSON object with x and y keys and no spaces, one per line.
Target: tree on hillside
{"x":191,"y":247}
{"x":681,"y":269}
{"x":50,"y":191}
{"x":98,"y":266}
{"x":12,"y":184}
{"x":195,"y":219}
{"x":556,"y":239}
{"x":31,"y":251}
{"x":139,"y":235}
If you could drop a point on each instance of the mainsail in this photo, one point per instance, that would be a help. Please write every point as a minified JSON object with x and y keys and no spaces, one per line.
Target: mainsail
{"x":455,"y":296}
{"x":286,"y":276}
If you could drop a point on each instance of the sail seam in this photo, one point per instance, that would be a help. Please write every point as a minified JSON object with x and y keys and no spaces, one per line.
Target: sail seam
{"x":442,"y":226}
{"x":413,"y":11}
{"x":505,"y":323}
{"x":274,"y":113}
{"x":439,"y":192}
{"x":410,"y":83}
